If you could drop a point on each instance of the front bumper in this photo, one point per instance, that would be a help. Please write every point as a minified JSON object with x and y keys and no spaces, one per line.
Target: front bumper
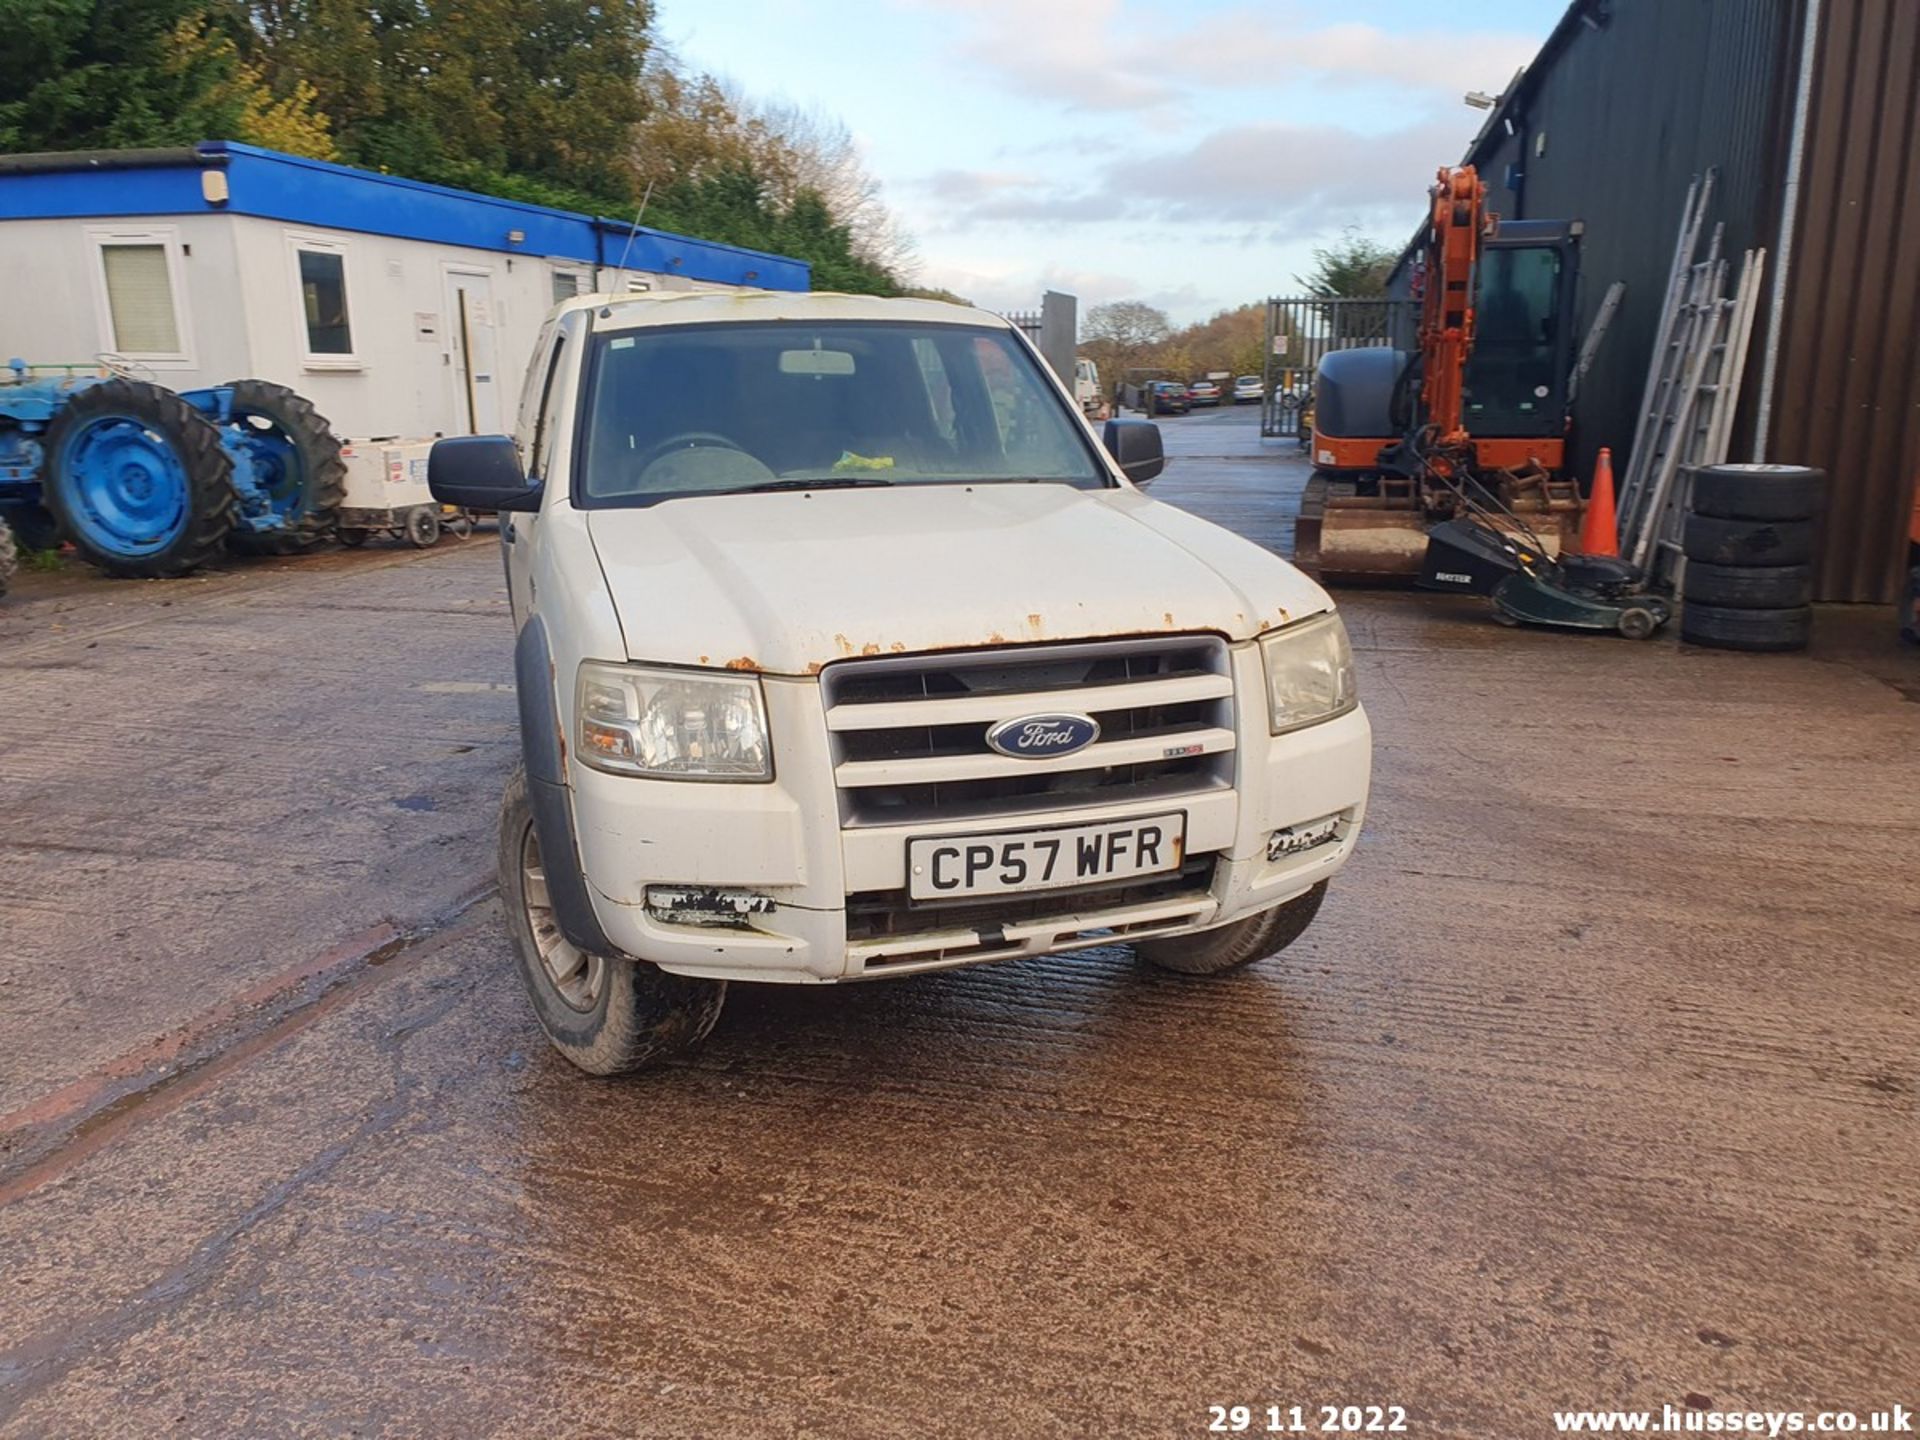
{"x":785,"y":839}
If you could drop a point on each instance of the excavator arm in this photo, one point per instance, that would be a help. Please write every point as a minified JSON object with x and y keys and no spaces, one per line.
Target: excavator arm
{"x":1458,"y":222}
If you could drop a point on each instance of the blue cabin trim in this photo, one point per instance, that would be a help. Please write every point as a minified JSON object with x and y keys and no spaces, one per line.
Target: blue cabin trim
{"x":298,"y":191}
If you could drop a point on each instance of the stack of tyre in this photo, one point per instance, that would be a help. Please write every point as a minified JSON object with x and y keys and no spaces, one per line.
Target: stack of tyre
{"x":1749,"y":545}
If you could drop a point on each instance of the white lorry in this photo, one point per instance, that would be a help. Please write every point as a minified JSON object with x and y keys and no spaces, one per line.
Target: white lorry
{"x":1086,"y":387}
{"x":844,"y":650}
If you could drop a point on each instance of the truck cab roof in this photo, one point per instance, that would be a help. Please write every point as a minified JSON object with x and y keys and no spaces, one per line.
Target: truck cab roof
{"x":695,"y":307}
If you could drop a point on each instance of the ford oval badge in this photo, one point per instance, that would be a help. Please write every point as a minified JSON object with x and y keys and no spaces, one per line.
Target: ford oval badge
{"x":1043,"y":737}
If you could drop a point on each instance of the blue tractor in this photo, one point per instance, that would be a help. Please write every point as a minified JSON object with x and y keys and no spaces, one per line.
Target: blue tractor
{"x":150,"y":482}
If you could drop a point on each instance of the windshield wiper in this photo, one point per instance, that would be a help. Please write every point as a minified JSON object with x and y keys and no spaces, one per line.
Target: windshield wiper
{"x":835,"y":482}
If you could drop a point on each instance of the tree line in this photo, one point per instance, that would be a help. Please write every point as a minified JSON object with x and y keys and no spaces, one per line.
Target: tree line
{"x":1124,"y":335}
{"x":572,"y":103}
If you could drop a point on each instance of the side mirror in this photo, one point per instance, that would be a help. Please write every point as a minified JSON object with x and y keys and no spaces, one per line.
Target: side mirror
{"x":1134,"y":445}
{"x":480,"y":472}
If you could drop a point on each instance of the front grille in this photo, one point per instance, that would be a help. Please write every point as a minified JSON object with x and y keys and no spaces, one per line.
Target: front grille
{"x":909,"y":732}
{"x":879,"y":914}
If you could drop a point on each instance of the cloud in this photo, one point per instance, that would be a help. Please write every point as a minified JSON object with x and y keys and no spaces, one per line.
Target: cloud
{"x":1106,"y":56}
{"x":1069,"y":52}
{"x":1246,"y":48}
{"x":1244,"y":180}
{"x":1016,"y":287}
{"x":1202,"y":151}
{"x":973,"y":187}
{"x":1266,"y":172}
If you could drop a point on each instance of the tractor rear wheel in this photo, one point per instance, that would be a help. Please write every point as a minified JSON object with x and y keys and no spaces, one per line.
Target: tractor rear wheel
{"x":137,"y":479}
{"x":296,"y":463}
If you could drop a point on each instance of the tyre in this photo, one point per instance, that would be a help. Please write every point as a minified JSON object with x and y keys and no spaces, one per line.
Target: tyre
{"x":1748,"y":587}
{"x":1723,"y":628}
{"x":33,"y":528}
{"x":296,"y":462}
{"x":423,"y":527}
{"x":1758,"y":492}
{"x":353,"y":536}
{"x":1228,"y":947}
{"x":137,"y":479}
{"x":1748,"y":542}
{"x":9,"y":559}
{"x":608,"y":1014}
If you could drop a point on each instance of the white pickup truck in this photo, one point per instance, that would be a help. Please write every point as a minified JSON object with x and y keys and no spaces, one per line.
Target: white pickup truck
{"x":845,"y":650}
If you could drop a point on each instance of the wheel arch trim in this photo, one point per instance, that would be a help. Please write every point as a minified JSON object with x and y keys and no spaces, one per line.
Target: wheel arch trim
{"x":548,"y":794}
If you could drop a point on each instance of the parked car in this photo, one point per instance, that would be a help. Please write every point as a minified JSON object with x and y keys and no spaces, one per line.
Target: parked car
{"x":860,"y":742}
{"x":1248,"y":390}
{"x":1203,"y":392}
{"x":1167,"y":397}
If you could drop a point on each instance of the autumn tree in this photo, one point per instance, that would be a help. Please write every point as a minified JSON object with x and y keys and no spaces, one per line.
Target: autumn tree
{"x":558,"y":102}
{"x":222,"y":94}
{"x":1129,"y":326}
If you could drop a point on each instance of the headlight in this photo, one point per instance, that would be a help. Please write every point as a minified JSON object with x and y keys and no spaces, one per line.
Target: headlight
{"x":1309,"y":673}
{"x":672,"y":724}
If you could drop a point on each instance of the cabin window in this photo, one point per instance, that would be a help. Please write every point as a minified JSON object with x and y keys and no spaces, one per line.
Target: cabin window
{"x":325,"y":310}
{"x":142,"y":282}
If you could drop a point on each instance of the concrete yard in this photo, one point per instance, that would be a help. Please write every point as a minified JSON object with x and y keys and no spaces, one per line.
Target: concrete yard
{"x":1596,"y":1084}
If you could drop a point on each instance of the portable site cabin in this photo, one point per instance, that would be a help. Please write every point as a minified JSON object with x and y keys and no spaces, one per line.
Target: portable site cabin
{"x":398,"y":308}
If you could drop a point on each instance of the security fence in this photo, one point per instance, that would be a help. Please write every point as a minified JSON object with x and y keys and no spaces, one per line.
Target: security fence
{"x":1301,"y":330}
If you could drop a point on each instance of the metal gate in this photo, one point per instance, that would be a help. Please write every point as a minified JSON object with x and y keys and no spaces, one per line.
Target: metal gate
{"x":1301,"y":330}
{"x":1054,"y":329}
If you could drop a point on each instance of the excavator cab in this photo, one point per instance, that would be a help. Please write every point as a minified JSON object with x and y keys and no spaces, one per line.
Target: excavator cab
{"x":1373,"y":494}
{"x":1522,"y":358}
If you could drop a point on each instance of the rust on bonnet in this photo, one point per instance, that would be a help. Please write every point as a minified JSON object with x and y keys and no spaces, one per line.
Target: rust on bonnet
{"x":743,"y":662}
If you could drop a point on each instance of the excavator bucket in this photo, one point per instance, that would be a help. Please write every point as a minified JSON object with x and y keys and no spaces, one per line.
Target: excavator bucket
{"x":1345,"y":538}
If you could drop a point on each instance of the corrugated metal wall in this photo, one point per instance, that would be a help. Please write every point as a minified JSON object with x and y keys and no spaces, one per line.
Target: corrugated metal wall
{"x":1849,"y":393}
{"x":1610,"y":126}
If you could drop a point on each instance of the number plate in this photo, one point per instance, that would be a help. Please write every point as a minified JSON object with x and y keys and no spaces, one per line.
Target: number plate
{"x":956,"y":866}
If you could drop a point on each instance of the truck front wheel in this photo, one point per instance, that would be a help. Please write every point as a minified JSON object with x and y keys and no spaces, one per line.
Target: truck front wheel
{"x":1213,"y":952}
{"x":608,"y":1014}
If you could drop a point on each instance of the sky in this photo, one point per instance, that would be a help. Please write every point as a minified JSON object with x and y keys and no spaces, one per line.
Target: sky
{"x":1191,"y":156}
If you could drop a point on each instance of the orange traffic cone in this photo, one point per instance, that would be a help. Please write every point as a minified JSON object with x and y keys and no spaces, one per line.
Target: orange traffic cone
{"x":1600,"y":531}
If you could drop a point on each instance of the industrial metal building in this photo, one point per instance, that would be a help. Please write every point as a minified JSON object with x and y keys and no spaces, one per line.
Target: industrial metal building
{"x":1810,"y":112}
{"x":399,"y":308}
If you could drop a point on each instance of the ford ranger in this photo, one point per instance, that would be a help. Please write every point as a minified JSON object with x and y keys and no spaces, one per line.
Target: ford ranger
{"x":846,"y":650}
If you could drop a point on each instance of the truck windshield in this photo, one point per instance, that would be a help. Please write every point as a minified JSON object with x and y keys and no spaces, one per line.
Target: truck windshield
{"x":734,"y":408}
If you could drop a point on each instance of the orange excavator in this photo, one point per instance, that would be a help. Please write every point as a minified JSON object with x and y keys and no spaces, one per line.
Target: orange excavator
{"x":1465,"y":488}
{"x":1473,"y":420}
